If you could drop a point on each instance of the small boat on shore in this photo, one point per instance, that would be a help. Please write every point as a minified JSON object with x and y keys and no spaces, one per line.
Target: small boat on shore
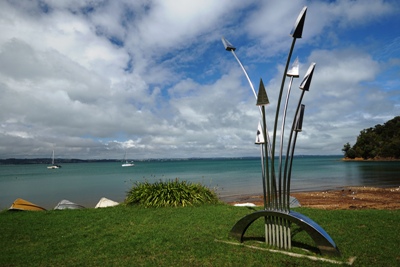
{"x":67,"y":205}
{"x":105,"y":202}
{"x":23,"y":205}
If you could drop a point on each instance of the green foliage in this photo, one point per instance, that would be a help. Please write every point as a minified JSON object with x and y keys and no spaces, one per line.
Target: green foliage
{"x":171,"y":193}
{"x":351,"y":154}
{"x":382,"y":141}
{"x":346,"y":148}
{"x":348,"y":151}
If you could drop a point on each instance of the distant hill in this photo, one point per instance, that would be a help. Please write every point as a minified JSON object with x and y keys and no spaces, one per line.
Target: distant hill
{"x":379,"y":142}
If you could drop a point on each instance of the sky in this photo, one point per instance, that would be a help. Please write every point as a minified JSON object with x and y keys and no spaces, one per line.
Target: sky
{"x":96,"y":79}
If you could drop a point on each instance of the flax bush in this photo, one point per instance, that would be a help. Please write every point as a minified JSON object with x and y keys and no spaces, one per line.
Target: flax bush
{"x":171,"y":193}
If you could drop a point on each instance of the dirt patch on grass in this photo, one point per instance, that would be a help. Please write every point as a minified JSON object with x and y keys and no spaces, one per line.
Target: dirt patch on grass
{"x":344,"y":199}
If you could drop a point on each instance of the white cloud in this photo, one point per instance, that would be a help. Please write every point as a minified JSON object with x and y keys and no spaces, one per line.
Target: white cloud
{"x":97,"y":78}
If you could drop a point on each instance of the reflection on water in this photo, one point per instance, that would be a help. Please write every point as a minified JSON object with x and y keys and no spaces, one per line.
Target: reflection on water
{"x":335,"y":174}
{"x":382,"y":174}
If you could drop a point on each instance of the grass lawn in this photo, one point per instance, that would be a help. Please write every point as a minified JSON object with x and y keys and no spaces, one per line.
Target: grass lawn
{"x":188,"y":236}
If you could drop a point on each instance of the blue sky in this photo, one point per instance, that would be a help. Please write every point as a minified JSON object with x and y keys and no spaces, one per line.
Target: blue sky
{"x":93,"y":79}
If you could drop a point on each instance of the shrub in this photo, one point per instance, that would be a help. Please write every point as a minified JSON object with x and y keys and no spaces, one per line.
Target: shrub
{"x":170,"y":193}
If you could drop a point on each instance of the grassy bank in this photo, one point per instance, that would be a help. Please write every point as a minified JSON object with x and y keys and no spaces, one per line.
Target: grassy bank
{"x":131,"y":236}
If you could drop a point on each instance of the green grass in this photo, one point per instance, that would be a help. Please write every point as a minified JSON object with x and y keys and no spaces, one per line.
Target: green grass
{"x":182,"y":236}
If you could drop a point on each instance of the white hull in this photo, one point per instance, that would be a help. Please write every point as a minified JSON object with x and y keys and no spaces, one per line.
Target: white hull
{"x":66,"y":204}
{"x":53,"y":167}
{"x":105,"y":202}
{"x":128,"y":165}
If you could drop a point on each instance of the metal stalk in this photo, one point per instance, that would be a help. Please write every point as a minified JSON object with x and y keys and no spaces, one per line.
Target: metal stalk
{"x":296,"y":32}
{"x":229,"y":47}
{"x":277,"y":111}
{"x":260,"y":140}
{"x":297,"y":129}
{"x":304,"y":86}
{"x":281,"y":145}
{"x":292,"y":73}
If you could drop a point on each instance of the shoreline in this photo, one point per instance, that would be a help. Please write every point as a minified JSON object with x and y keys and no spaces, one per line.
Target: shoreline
{"x":371,"y":160}
{"x":341,"y":198}
{"x":349,"y":197}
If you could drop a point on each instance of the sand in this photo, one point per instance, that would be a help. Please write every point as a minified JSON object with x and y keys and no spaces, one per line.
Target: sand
{"x":347,"y":198}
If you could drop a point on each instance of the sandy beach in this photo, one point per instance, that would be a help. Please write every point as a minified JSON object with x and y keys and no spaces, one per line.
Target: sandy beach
{"x":346,"y":198}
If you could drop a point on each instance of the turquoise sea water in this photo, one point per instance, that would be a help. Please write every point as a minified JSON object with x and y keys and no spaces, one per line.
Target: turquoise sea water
{"x":86,"y":183}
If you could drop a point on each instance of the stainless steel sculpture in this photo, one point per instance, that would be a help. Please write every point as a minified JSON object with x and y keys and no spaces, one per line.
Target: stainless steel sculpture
{"x":276,"y":185}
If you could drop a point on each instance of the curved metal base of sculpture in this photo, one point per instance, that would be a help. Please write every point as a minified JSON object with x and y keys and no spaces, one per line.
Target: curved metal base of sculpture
{"x":323,"y":241}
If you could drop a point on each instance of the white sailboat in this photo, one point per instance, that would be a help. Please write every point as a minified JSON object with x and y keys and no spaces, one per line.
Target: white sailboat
{"x":126,"y":163}
{"x":53,"y":166}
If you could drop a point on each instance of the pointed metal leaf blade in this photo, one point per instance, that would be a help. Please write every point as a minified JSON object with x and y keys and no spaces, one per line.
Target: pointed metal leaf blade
{"x":305,"y":84}
{"x":294,"y":70}
{"x":297,"y":30}
{"x":228,"y":46}
{"x":260,"y":135}
{"x":262,"y":98}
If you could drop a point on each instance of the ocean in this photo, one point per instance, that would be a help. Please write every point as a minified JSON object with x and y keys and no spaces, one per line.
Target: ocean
{"x":86,"y":183}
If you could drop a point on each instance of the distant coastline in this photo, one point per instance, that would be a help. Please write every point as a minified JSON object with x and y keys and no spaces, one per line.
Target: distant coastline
{"x":17,"y":161}
{"x":14,"y":161}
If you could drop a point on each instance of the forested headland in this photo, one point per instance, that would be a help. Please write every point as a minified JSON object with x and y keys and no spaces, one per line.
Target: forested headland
{"x":381,"y":142}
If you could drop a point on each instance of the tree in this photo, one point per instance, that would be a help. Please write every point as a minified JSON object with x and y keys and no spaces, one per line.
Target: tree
{"x":348,"y":151}
{"x":351,"y":154}
{"x":346,"y":148}
{"x":381,"y":141}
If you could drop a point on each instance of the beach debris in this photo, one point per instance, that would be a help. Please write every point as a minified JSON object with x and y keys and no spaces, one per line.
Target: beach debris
{"x":248,"y":204}
{"x":294,"y":202}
